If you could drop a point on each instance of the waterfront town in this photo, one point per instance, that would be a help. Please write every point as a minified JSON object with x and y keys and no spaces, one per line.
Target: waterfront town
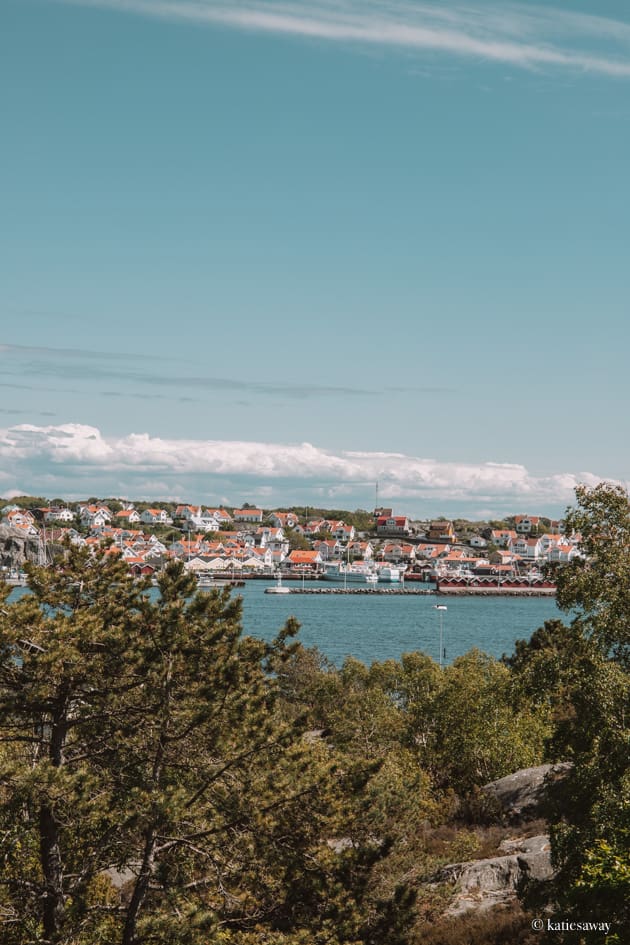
{"x":250,"y":542}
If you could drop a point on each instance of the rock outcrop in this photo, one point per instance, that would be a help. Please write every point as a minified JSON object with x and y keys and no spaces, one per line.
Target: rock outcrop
{"x":518,"y":796}
{"x":482,"y":884}
{"x":15,"y":548}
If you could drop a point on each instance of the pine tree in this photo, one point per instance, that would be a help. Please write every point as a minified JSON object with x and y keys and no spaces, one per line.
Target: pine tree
{"x":153,"y":791}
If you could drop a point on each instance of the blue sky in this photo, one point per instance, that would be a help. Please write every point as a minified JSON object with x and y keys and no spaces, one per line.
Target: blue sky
{"x":396,"y":233}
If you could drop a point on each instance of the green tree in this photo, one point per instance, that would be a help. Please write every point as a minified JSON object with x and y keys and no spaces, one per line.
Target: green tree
{"x":484,"y":728}
{"x":590,"y":807}
{"x":297,"y":541}
{"x":550,"y":670}
{"x":142,"y":736}
{"x":598,"y":585}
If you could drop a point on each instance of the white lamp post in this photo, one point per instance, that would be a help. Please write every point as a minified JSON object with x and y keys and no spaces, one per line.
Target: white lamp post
{"x":440,"y":609}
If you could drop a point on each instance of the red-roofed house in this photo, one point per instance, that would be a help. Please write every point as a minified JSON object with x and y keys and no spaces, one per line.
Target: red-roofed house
{"x":328,"y":548}
{"x":156,"y":517}
{"x":282,"y":519}
{"x":501,"y":537}
{"x":392,"y":525}
{"x":525,"y":524}
{"x":397,"y":552}
{"x":248,"y":515}
{"x":304,"y":560}
{"x":128,"y":516}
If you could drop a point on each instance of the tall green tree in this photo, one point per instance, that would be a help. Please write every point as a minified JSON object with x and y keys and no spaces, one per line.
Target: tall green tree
{"x":483,"y":727}
{"x":151,"y":788}
{"x":597,"y":586}
{"x":589,"y":662}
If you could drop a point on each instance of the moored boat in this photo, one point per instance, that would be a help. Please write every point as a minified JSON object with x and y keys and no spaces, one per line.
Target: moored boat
{"x":348,"y":573}
{"x":390,"y":575}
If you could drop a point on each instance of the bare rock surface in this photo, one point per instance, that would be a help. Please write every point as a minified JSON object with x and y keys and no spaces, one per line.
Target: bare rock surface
{"x":482,"y":884}
{"x":15,"y":548}
{"x":518,"y":796}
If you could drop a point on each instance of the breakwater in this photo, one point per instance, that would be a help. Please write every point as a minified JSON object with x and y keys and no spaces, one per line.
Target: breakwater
{"x":373,"y":591}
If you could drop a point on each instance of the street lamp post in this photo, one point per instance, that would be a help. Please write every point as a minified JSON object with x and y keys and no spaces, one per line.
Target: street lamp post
{"x":440,"y":609}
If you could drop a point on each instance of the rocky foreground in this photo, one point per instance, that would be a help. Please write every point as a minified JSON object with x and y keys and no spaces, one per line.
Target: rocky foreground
{"x":494,"y":881}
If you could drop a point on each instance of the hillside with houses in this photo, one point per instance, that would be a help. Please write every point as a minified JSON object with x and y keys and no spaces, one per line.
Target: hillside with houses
{"x":251,"y":542}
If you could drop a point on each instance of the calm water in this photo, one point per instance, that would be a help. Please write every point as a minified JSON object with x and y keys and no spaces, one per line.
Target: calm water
{"x":378,"y":628}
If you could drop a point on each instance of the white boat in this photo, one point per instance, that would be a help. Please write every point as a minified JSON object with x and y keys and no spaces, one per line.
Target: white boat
{"x":205,"y":580}
{"x":389,"y":575}
{"x":348,"y":573}
{"x":278,"y":588}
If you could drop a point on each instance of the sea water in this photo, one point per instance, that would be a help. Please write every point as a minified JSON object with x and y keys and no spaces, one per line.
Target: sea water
{"x":374,"y":627}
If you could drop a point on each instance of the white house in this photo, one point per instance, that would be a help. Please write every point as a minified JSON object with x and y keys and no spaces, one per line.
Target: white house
{"x":202,"y":523}
{"x":128,"y":517}
{"x":97,"y":519}
{"x":397,"y":552}
{"x":328,"y":548}
{"x":432,"y":550}
{"x":57,"y":514}
{"x":97,"y":515}
{"x":392,"y":525}
{"x":528,"y":548}
{"x":501,"y":537}
{"x":18,"y":517}
{"x":272,"y":538}
{"x":563,"y":553}
{"x":26,"y":529}
{"x":314,"y":527}
{"x":525,"y":524}
{"x":283,"y":519}
{"x":187,"y":512}
{"x":248,"y":515}
{"x":361,"y":549}
{"x":156,"y":517}
{"x":547,"y":542}
{"x":344,"y":532}
{"x":222,"y":517}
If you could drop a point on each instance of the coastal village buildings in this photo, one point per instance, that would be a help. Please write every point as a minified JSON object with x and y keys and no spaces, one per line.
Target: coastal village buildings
{"x":256,"y":541}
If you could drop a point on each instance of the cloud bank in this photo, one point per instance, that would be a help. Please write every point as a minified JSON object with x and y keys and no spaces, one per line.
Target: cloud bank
{"x":525,"y":36}
{"x":76,"y":460}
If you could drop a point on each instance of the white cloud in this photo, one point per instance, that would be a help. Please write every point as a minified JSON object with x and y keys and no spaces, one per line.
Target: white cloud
{"x":74,"y":459}
{"x":526,"y":36}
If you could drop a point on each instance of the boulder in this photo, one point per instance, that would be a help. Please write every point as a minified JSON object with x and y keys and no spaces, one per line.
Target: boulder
{"x":15,"y":548}
{"x":482,"y":884}
{"x":518,"y":796}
